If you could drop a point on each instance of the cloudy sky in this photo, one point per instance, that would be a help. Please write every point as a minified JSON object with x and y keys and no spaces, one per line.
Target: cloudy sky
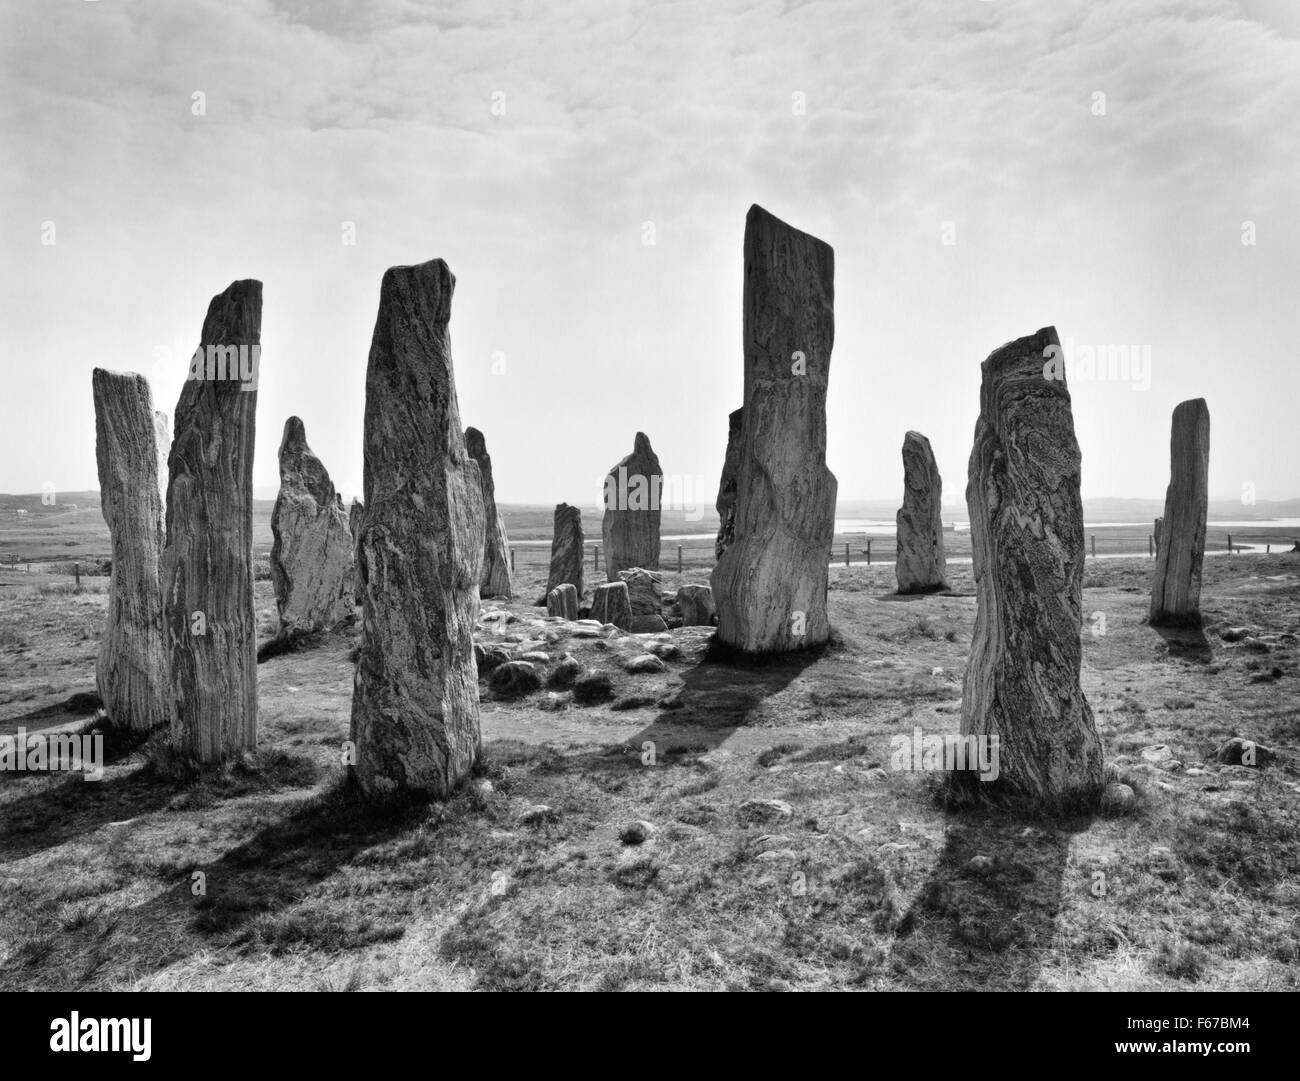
{"x":981,"y":167}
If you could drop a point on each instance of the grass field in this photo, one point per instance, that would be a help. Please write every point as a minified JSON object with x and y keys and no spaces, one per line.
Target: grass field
{"x":864,"y":879}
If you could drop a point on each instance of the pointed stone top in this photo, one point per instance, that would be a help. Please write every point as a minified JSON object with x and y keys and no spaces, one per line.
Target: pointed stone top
{"x":299,"y":467}
{"x":641,"y":444}
{"x":475,"y":444}
{"x":235,"y":316}
{"x":915,"y":437}
{"x":295,"y":434}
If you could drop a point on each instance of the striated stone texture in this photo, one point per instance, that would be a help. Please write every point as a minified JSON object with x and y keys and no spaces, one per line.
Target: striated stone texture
{"x":312,"y":567}
{"x":415,"y":705}
{"x":162,"y":434}
{"x":562,"y":601}
{"x":1180,"y":543}
{"x":770,"y":583}
{"x":1022,"y":681}
{"x":131,"y":674}
{"x":566,"y":549}
{"x":920,"y":566}
{"x":726,"y":502}
{"x":611,"y":604}
{"x":496,"y":547}
{"x":356,"y":517}
{"x":631,"y":524}
{"x":644,"y":590}
{"x":207,"y":573}
{"x":695,"y":603}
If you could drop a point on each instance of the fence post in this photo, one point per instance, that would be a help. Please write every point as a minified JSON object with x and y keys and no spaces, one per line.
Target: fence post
{"x":679,"y":559}
{"x":868,"y":552}
{"x":1268,"y":549}
{"x":1151,"y":545}
{"x":76,"y":570}
{"x":1094,"y":546}
{"x":595,"y":557}
{"x":512,"y":561}
{"x":846,"y":553}
{"x":1229,"y":544}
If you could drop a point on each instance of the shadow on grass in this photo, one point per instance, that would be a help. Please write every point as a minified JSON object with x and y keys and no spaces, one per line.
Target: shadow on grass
{"x":987,"y":924}
{"x":1186,"y":643}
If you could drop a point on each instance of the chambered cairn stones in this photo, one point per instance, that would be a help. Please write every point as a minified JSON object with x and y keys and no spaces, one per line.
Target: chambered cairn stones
{"x":311,"y":552}
{"x":207,"y":572}
{"x":610,"y":603}
{"x":920,"y":566}
{"x":562,"y":601}
{"x":726,"y":502}
{"x":769,"y":584}
{"x":496,"y":548}
{"x":1022,"y":681}
{"x":631,"y":524}
{"x":415,"y":719}
{"x":132,"y":675}
{"x":1180,"y":542}
{"x":566,"y":550}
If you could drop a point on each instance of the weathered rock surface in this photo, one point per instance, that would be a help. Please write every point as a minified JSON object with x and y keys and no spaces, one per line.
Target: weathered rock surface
{"x":207,"y":572}
{"x":515,"y":679}
{"x":562,"y":601}
{"x":726,"y":501}
{"x":1022,"y":681}
{"x":631,"y":524}
{"x":920,"y":565}
{"x":769,"y":585}
{"x":132,"y":672}
{"x":611,"y":604}
{"x":496,"y":547}
{"x":415,"y":719}
{"x":566,"y":549}
{"x":356,"y":515}
{"x":651,"y":624}
{"x":1180,"y":548}
{"x":312,"y":556}
{"x":1157,"y":529}
{"x":644,"y":590}
{"x":695,"y":603}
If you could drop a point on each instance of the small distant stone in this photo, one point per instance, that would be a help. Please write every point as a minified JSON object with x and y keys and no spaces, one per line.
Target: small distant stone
{"x":636,"y":832}
{"x":490,"y":658}
{"x":764,"y":810}
{"x":1244,"y":752}
{"x":649,"y":624}
{"x":536,"y":656}
{"x":553,"y":702}
{"x":1234,"y":634}
{"x":568,"y":670}
{"x":592,"y":688}
{"x":515,"y":679}
{"x":980,"y":864}
{"x":875,"y":775}
{"x":644,"y":663}
{"x":1157,"y":754}
{"x":666,"y":650}
{"x":778,"y":854}
{"x":537,"y":814}
{"x":1117,"y":797}
{"x":484,"y":787}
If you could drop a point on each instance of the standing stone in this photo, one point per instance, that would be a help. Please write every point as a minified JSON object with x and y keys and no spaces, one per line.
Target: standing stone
{"x":770,"y":583}
{"x":1157,"y":529}
{"x":631,"y":524}
{"x":415,"y":720}
{"x":1026,"y":521}
{"x":920,"y":565}
{"x":312,"y":550}
{"x":356,"y":516}
{"x":566,"y":549}
{"x":496,"y":548}
{"x":610,"y":604}
{"x":695,"y":603}
{"x":162,"y":434}
{"x":644,"y":590}
{"x":132,"y":676}
{"x":207,"y":575}
{"x":562,"y":601}
{"x":726,"y":502}
{"x":1176,"y":582}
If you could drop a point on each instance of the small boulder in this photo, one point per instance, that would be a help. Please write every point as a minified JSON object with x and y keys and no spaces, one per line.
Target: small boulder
{"x":515,"y":679}
{"x":537,"y":814}
{"x":490,"y":658}
{"x":695,"y":603}
{"x":764,"y":810}
{"x":1117,"y":797}
{"x":592,"y":688}
{"x":647,"y":624}
{"x":611,"y":605}
{"x":1244,"y":752}
{"x":637,"y":832}
{"x":564,"y":673}
{"x":644,"y":663}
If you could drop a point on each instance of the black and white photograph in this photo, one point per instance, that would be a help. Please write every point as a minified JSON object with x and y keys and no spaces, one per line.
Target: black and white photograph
{"x":647,"y":496}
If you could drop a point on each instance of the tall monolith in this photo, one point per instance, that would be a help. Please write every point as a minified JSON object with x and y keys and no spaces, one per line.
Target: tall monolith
{"x":496,"y":548}
{"x":356,"y":514}
{"x":770,"y":583}
{"x":920,"y":566}
{"x":566,"y":549}
{"x":207,"y":574}
{"x":132,"y":673}
{"x":726,"y":501}
{"x":630,"y":527}
{"x":1180,"y":542}
{"x":415,"y":719}
{"x":1026,"y":519}
{"x":311,"y":552}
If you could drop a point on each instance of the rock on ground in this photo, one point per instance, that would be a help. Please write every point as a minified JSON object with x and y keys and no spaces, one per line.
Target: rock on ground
{"x":644,"y":590}
{"x":562,"y":601}
{"x":695,"y":603}
{"x":610,"y":604}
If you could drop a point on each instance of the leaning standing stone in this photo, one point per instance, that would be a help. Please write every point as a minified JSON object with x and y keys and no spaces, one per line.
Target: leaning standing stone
{"x":1180,"y":543}
{"x":1026,"y":519}
{"x":566,"y":549}
{"x":415,"y":719}
{"x":131,"y":674}
{"x":356,"y":514}
{"x":610,"y":604}
{"x":726,"y":502}
{"x":631,"y":524}
{"x":496,"y":548}
{"x":207,"y":574}
{"x":311,"y":550}
{"x":562,"y":601}
{"x":920,"y":566}
{"x":770,"y":583}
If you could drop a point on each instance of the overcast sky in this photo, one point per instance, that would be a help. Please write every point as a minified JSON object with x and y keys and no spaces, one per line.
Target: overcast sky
{"x":955,"y":153}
